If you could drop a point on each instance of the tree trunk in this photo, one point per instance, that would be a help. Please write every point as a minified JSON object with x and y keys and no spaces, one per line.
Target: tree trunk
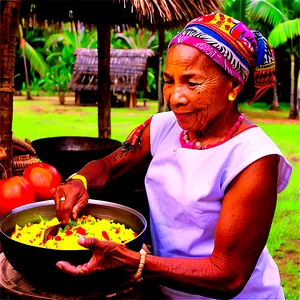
{"x":161,"y":44}
{"x":61,"y":98}
{"x":9,"y":25}
{"x":103,"y":31}
{"x":275,"y":103}
{"x":23,"y":45}
{"x":293,"y":107}
{"x":28,"y":96}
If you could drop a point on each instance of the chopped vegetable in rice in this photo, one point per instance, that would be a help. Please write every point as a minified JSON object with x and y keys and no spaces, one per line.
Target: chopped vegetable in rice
{"x":66,"y":238}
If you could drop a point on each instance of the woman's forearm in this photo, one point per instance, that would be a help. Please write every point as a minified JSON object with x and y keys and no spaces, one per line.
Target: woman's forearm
{"x":210,"y":277}
{"x":97,"y":173}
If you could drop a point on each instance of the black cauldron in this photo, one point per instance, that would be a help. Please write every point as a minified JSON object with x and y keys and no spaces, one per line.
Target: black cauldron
{"x":38,"y":264}
{"x":68,"y":154}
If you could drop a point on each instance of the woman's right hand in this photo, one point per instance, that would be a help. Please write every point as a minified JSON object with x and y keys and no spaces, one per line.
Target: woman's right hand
{"x":69,"y":199}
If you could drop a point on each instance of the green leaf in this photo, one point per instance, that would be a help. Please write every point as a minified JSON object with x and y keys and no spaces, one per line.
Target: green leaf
{"x":52,"y":56}
{"x":36,"y":60}
{"x":283,"y":32}
{"x":54,"y":39}
{"x":262,"y":9}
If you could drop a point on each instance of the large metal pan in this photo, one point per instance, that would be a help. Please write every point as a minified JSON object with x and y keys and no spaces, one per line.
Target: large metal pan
{"x":68,"y":154}
{"x":38,"y":264}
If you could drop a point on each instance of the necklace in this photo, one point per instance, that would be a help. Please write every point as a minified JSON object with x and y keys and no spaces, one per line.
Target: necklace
{"x":186,"y":143}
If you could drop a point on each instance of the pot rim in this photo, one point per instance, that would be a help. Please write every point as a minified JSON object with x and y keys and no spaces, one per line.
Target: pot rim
{"x":90,"y":201}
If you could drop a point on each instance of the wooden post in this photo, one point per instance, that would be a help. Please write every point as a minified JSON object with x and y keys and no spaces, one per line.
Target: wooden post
{"x":103,"y":31}
{"x":9,"y":24}
{"x":131,"y":100}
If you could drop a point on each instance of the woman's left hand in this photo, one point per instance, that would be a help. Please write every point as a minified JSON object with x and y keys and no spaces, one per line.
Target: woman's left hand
{"x":106,"y":255}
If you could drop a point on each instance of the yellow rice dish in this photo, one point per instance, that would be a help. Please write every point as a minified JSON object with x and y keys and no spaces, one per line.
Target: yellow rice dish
{"x":66,"y":238}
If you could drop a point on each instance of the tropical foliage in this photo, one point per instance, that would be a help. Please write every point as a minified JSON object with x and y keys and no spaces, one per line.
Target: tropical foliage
{"x":137,"y":38}
{"x":282,"y":16}
{"x":29,"y":50}
{"x":52,"y":61}
{"x":278,"y":21}
{"x":60,"y":48}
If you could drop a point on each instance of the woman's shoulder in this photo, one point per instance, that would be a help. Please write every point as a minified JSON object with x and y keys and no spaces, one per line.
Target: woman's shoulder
{"x":252,"y":144}
{"x":164,"y":127}
{"x":164,"y":117}
{"x":163,"y":121}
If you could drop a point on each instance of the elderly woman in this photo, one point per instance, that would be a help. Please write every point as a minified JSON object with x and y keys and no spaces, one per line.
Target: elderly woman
{"x":214,"y":176}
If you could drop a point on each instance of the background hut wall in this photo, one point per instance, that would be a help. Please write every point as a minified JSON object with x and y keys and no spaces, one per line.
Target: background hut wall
{"x":128,"y":73}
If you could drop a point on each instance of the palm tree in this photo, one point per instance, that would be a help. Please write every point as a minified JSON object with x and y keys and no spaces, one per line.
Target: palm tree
{"x":237,"y":9}
{"x":36,"y":60}
{"x":60,"y":50}
{"x":283,"y":17}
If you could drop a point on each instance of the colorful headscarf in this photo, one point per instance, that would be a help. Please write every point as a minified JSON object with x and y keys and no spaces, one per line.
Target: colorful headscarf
{"x":237,"y":49}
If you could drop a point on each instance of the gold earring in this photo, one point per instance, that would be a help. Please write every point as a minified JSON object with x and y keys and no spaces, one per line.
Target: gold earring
{"x":231,"y":97}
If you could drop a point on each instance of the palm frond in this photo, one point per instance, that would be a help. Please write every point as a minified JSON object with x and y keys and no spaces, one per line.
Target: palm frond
{"x":283,"y":32}
{"x":149,"y":42}
{"x":133,"y":42}
{"x":262,"y":9}
{"x":36,"y":60}
{"x":125,"y":38}
{"x":52,"y":56}
{"x":56,"y":38}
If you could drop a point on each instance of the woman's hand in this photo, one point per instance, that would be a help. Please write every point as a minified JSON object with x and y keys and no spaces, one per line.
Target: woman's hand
{"x":106,"y":255}
{"x":69,"y":199}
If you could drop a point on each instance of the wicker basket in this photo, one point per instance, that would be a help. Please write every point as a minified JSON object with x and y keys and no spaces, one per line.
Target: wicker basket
{"x":22,"y":161}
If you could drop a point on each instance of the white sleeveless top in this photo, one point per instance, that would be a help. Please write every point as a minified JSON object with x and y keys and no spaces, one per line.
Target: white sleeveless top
{"x":185,"y":188}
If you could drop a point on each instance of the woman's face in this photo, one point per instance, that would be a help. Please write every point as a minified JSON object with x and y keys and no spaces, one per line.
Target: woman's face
{"x":195,"y":88}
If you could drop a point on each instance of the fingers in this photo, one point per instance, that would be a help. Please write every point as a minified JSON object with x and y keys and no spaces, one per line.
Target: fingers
{"x":69,"y":200}
{"x":106,"y":255}
{"x":80,"y":205}
{"x":79,"y":270}
{"x":90,"y":243}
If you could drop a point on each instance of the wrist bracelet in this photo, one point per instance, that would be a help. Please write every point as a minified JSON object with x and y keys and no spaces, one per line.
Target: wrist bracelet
{"x":79,"y":177}
{"x":139,"y":271}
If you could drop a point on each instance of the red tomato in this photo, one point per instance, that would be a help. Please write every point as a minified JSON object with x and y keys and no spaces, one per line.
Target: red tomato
{"x":43,"y":178}
{"x":14,"y":192}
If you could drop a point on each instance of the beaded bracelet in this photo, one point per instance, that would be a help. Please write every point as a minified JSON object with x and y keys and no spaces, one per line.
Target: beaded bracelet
{"x":138,"y":273}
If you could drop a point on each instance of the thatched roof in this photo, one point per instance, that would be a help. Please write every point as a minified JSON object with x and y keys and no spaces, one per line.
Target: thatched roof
{"x":151,"y":14}
{"x":127,"y":68}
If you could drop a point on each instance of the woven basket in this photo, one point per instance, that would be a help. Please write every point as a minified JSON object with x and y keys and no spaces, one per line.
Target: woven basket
{"x":22,"y":161}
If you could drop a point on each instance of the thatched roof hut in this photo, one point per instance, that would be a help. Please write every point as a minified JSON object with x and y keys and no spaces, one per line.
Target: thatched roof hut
{"x":127,"y":68}
{"x":151,"y":14}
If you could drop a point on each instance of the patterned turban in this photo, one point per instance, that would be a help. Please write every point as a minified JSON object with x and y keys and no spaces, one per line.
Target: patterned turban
{"x":238,"y":50}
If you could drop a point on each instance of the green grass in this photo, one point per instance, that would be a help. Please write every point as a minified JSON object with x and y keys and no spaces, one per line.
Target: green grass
{"x":45,"y":118}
